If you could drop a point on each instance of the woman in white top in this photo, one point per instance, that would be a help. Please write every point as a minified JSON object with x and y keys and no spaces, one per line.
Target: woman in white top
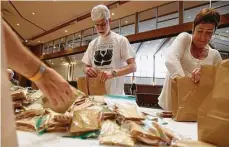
{"x":188,"y":52}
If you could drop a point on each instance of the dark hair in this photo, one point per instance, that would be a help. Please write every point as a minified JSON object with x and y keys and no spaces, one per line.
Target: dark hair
{"x":207,"y":15}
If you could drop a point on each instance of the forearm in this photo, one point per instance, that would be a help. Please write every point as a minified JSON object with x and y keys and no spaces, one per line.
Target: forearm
{"x":19,"y":57}
{"x":174,"y":67}
{"x":130,"y":68}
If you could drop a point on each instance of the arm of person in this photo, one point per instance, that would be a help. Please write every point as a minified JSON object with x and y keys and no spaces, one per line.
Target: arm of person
{"x":175,"y":53}
{"x":87,"y":60}
{"x":130,"y":68}
{"x":196,"y":72}
{"x":20,"y":59}
{"x":217,"y":57}
{"x":127,"y":54}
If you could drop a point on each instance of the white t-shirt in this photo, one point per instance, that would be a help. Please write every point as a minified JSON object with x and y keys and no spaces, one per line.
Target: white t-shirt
{"x":180,"y":62}
{"x":107,"y":54}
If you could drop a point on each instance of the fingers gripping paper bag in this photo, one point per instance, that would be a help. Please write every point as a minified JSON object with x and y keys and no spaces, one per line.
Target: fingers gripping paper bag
{"x":213,"y":114}
{"x":188,"y":96}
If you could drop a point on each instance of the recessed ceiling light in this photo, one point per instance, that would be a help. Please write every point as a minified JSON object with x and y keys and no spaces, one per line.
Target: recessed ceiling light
{"x":126,"y":21}
{"x":33,"y":13}
{"x":38,"y":41}
{"x":112,"y":14}
{"x":65,"y":31}
{"x":26,"y":40}
{"x":18,"y":24}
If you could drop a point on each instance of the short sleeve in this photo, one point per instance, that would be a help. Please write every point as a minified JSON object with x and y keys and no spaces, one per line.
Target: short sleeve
{"x":127,"y":51}
{"x":217,"y":57}
{"x":87,"y":58}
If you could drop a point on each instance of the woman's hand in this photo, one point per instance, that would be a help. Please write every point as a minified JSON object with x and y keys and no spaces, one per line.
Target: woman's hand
{"x":54,"y":87}
{"x":196,"y":75}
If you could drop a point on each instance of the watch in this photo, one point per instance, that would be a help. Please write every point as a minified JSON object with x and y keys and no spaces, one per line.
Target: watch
{"x":114,"y":73}
{"x":39,"y":73}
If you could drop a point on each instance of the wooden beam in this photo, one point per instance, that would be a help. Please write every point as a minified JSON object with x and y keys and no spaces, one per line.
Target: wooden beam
{"x":181,"y":12}
{"x":143,"y":36}
{"x":136,"y":22}
{"x":160,"y":33}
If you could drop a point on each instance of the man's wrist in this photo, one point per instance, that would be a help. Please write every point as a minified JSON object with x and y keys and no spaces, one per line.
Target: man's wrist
{"x":114,"y":73}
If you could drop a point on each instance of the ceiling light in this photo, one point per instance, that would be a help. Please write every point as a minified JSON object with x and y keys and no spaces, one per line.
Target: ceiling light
{"x":18,"y":24}
{"x":33,"y":13}
{"x":112,"y":14}
{"x":38,"y":41}
{"x":65,"y":31}
{"x":126,"y":21}
{"x":52,"y":63}
{"x":26,"y":40}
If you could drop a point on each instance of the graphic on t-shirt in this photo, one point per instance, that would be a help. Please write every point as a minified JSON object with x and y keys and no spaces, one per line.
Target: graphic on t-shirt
{"x":103,"y":54}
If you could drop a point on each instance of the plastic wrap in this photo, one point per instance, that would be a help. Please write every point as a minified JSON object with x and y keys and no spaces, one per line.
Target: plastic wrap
{"x":112,"y":134}
{"x":85,"y":120}
{"x":129,"y":111}
{"x":18,"y":95}
{"x":144,"y":135}
{"x":30,"y":113}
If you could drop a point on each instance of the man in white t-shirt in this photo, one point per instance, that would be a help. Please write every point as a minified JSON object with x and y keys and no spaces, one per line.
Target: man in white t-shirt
{"x":109,"y":53}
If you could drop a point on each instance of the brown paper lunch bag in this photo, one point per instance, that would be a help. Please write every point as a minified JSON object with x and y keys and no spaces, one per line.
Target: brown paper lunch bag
{"x":92,"y":86}
{"x":213,"y":114}
{"x":188,"y":96}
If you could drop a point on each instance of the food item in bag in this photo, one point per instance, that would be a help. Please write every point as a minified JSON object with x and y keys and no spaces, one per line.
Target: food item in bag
{"x":57,"y":122}
{"x":109,"y":127}
{"x":163,"y":135}
{"x":18,"y":95}
{"x":75,"y":107}
{"x":30,"y":113}
{"x":129,"y":111}
{"x":144,"y":135}
{"x":27,"y":124}
{"x":85,"y":120}
{"x":112,"y":134}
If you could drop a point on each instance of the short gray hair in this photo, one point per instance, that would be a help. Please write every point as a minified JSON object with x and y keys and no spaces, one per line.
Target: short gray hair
{"x":100,"y":12}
